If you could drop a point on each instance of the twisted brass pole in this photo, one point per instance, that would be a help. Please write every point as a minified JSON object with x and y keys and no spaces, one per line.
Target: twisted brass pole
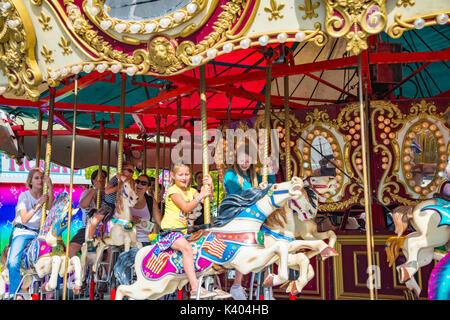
{"x":158,"y":146}
{"x":206,"y":202}
{"x":367,"y":193}
{"x":39,"y":139}
{"x":108,"y":159}
{"x":72,"y":168}
{"x":287,"y":128}
{"x":121,"y":123}
{"x":100,"y":163}
{"x":144,"y":156}
{"x":48,"y":150}
{"x":265,"y":171}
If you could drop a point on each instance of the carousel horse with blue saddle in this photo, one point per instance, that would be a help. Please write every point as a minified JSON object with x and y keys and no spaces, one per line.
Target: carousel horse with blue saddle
{"x":232,"y":242}
{"x":45,"y":255}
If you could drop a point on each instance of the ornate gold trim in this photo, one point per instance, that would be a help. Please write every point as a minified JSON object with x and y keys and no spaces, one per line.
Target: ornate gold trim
{"x":355,"y":21}
{"x":47,"y":54}
{"x":423,"y":112}
{"x":309,"y":8}
{"x":45,"y":21}
{"x":400,"y":25}
{"x":65,"y":45}
{"x":274,"y":10}
{"x":405,"y":3}
{"x":17,"y":43}
{"x":100,"y":18}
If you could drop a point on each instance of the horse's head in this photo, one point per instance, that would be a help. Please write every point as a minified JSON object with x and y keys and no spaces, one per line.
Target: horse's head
{"x":322,"y":185}
{"x":281,"y":192}
{"x":128,"y":192}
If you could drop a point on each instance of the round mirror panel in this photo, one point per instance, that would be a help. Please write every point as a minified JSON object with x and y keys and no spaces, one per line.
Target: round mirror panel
{"x":423,"y":156}
{"x":138,"y":10}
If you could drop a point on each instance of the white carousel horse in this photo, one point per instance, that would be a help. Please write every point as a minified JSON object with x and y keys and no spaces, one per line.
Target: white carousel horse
{"x":45,"y":255}
{"x":297,"y":221}
{"x":231,"y":243}
{"x":119,"y":230}
{"x":431,"y":221}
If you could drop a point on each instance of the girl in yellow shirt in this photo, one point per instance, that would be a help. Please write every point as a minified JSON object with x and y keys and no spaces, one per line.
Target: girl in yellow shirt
{"x":180,"y":200}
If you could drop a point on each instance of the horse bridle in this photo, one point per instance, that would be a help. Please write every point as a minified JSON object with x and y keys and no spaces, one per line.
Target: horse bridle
{"x":315,"y":187}
{"x":272,"y":192}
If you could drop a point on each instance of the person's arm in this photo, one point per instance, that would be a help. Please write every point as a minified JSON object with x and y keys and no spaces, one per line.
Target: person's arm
{"x":157,"y":213}
{"x":49,"y":183}
{"x":25,"y":214}
{"x":188,"y":206}
{"x":113,"y":186}
{"x":86,"y":200}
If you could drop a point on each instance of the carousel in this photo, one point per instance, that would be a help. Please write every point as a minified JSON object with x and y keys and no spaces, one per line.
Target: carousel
{"x":348,"y":106}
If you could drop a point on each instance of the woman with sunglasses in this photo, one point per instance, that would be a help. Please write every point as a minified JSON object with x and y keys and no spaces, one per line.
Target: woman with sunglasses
{"x":145,"y":210}
{"x":109,"y":202}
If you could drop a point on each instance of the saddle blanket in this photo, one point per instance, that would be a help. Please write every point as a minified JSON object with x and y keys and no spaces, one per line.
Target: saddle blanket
{"x":35,"y":249}
{"x":208,"y":250}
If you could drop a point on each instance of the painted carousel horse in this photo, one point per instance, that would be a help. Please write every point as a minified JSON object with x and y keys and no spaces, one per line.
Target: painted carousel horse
{"x":419,"y":248}
{"x":296,"y":220}
{"x":45,"y":255}
{"x":439,"y":283}
{"x":231,"y":243}
{"x":431,"y":220}
{"x":119,"y":230}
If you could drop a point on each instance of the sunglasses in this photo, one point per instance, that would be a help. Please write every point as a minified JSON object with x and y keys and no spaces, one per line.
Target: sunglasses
{"x":142,"y":183}
{"x":129,"y":170}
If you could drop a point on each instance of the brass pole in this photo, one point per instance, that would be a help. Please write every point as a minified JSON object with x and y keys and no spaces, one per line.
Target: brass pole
{"x":121,"y":123}
{"x":367,"y":193}
{"x":265,"y":171}
{"x":158,"y":147}
{"x":108,"y":159}
{"x":179,"y":113}
{"x":192,"y":150}
{"x":206,"y":202}
{"x":287,"y":128}
{"x":72,"y":167}
{"x":100,"y":163}
{"x":163,"y":189}
{"x":144,"y":156}
{"x":39,"y":139}
{"x":48,"y":150}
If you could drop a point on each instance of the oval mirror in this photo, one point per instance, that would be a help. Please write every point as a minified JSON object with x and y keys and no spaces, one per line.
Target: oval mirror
{"x":138,"y":10}
{"x":423,"y":156}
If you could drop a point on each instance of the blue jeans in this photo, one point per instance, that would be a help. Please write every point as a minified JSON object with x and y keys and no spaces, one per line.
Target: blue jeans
{"x":18,"y":243}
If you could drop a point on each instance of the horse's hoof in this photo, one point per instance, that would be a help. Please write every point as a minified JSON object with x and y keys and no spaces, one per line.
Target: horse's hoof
{"x":328,"y":252}
{"x":404,"y":275}
{"x":294,"y":290}
{"x":268,"y":281}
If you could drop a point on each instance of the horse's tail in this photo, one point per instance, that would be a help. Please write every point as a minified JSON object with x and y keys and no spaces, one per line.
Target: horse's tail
{"x":401,"y":217}
{"x":123,"y":266}
{"x":439,"y":283}
{"x":392,"y":247}
{"x":4,"y":258}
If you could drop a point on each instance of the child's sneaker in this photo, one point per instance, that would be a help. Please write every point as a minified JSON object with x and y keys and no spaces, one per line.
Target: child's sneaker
{"x":204,"y":294}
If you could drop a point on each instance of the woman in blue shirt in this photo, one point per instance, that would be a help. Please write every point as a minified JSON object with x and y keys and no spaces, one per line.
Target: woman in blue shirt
{"x":241,"y":177}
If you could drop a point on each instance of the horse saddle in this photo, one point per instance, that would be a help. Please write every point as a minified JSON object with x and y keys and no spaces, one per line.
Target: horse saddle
{"x":443,"y":208}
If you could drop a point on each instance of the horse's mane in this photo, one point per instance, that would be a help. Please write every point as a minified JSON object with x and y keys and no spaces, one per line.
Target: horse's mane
{"x":312,"y":196}
{"x":55,"y":212}
{"x":119,"y":196}
{"x":233,"y":204}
